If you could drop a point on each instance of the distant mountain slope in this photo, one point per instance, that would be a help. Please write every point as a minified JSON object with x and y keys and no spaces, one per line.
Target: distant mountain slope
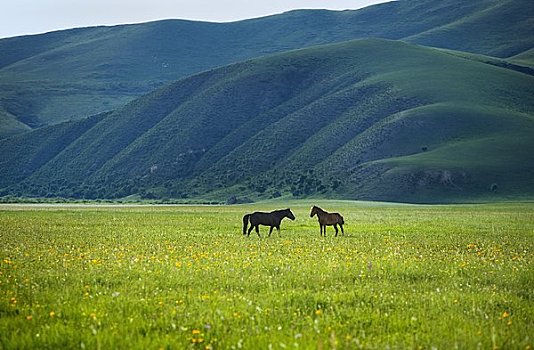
{"x":526,"y":58}
{"x":49,"y":78}
{"x":502,"y":29}
{"x":365,"y":119}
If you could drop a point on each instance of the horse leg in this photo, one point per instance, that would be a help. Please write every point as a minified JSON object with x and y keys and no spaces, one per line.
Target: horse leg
{"x":324,"y":230}
{"x":278,"y":229}
{"x":335,"y":227}
{"x":250,"y":230}
{"x":258,"y":230}
{"x":342,"y":232}
{"x":271,"y":231}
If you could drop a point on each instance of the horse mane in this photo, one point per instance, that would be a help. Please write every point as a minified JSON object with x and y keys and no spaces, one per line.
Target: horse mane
{"x":319,"y":209}
{"x":281,"y":211}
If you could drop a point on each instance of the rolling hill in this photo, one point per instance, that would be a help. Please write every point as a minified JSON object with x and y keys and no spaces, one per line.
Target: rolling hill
{"x":364,"y":119}
{"x":68,"y":75}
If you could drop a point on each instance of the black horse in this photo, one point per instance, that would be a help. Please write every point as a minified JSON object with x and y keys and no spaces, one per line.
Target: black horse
{"x":272,"y":219}
{"x":327,"y":219}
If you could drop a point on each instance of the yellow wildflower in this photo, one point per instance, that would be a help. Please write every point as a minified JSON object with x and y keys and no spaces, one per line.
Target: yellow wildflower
{"x":504,"y":315}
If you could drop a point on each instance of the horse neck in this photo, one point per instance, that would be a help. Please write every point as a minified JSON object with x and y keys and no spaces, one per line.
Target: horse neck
{"x":282,"y":213}
{"x":319,"y":211}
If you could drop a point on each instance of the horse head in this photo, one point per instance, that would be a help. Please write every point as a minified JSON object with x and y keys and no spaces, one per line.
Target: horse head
{"x":290,"y":214}
{"x":313,"y":211}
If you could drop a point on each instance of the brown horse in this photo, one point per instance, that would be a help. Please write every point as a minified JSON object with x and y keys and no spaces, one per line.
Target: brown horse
{"x":327,"y":219}
{"x":272,"y":219}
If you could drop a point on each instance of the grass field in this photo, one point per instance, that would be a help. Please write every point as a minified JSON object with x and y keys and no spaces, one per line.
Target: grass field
{"x":178,"y":277}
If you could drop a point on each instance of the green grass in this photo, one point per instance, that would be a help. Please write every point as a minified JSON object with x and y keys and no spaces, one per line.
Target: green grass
{"x":404,"y":276}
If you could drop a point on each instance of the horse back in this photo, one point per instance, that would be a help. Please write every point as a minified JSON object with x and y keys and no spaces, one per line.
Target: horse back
{"x":262,"y":218}
{"x":332,"y":219}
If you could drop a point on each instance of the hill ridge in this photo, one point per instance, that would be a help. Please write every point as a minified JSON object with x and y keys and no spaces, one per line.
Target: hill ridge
{"x":80,"y":72}
{"x":341,"y":120}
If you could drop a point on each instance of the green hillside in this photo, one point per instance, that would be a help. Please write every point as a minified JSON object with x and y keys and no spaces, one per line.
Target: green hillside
{"x":365,"y":119}
{"x":526,"y":58}
{"x":60,"y":76}
{"x":502,"y":29}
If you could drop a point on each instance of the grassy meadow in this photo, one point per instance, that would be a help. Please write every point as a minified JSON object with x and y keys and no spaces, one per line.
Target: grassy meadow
{"x":184,"y":277}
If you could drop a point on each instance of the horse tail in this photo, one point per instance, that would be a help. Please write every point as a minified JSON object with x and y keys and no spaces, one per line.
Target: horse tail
{"x":245,"y":223}
{"x":341,"y":220}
